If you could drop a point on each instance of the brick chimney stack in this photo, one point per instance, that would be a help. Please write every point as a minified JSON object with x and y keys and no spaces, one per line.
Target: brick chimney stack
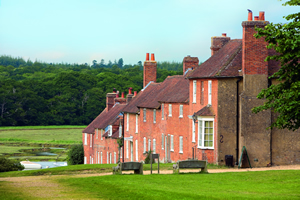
{"x":190,"y":62}
{"x":129,"y":95}
{"x":110,"y":99}
{"x":120,"y":100}
{"x":218,"y":42}
{"x":149,"y":69}
{"x":254,"y":49}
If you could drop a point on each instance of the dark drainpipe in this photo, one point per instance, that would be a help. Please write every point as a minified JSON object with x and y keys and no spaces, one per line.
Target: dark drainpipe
{"x":237,"y":121}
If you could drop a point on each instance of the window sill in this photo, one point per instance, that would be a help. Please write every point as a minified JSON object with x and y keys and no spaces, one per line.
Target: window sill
{"x":205,"y":148}
{"x":181,"y":152}
{"x":194,"y":102}
{"x":154,"y":122}
{"x":193,"y":141}
{"x":181,"y":116}
{"x":172,"y":150}
{"x":136,"y":132}
{"x":170,"y":115}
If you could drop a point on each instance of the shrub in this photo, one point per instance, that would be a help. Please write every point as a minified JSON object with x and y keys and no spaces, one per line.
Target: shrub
{"x":76,"y":155}
{"x":7,"y":165}
{"x":147,"y":159}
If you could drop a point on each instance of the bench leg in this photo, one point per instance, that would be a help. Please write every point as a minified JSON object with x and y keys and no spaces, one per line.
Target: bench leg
{"x":204,"y":170}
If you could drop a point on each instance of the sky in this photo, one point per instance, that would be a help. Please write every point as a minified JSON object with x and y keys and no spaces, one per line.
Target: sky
{"x":80,"y":31}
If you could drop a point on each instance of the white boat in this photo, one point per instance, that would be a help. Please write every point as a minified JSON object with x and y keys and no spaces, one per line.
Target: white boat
{"x":30,"y":165}
{"x":60,"y":165}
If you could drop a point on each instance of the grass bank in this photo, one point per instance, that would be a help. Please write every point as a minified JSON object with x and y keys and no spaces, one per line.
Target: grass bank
{"x":241,"y":185}
{"x":2,"y":128}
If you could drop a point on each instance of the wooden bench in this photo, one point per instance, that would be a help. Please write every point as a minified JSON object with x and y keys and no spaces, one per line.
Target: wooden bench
{"x":191,"y":164}
{"x":126,"y":166}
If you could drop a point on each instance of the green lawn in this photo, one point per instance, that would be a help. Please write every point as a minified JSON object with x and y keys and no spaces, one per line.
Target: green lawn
{"x":41,"y":127}
{"x":238,"y":185}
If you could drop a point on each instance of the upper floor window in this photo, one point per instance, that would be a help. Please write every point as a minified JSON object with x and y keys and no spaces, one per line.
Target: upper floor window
{"x":149,"y":145}
{"x":180,"y":144}
{"x":101,"y":134}
{"x":136,"y":123}
{"x":144,"y":114}
{"x":120,"y":130}
{"x":85,"y":139}
{"x":170,"y":110}
{"x":110,"y":130}
{"x":180,"y":111}
{"x":127,"y":122}
{"x":206,"y":133}
{"x":154,"y":116}
{"x":202,"y":93}
{"x":209,"y":92}
{"x":96,"y":133}
{"x":194,"y":90}
{"x":91,"y":140}
{"x":162,"y":111}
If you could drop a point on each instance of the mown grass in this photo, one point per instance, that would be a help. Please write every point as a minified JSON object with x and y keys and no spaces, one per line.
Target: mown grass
{"x":41,"y":127}
{"x":238,"y":185}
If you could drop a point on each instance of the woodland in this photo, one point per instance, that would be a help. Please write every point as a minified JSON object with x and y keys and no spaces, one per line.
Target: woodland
{"x":39,"y":93}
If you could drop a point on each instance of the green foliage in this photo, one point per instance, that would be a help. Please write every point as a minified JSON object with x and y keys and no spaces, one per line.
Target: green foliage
{"x":120,"y":142}
{"x":7,"y":165}
{"x":147,"y":159}
{"x":284,"y":98}
{"x":76,"y":155}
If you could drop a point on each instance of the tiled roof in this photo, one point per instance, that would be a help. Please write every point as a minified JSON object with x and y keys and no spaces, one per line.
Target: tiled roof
{"x":104,"y":119}
{"x":115,"y":135}
{"x":226,"y":62}
{"x":173,"y":89}
{"x":205,"y":111}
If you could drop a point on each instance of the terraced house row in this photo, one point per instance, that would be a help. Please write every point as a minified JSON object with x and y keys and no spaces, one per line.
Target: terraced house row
{"x":203,"y":114}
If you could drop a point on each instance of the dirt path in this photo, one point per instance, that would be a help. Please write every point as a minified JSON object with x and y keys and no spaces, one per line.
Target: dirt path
{"x":46,"y":187}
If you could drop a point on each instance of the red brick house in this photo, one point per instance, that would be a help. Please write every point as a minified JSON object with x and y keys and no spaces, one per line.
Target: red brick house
{"x":203,"y":114}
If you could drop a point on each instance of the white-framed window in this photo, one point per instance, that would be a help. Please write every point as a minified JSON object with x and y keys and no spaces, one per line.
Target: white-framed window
{"x":180,"y":111}
{"x":162,"y":141}
{"x":193,"y":133}
{"x":85,"y":139}
{"x":154,"y":145}
{"x":96,"y":133}
{"x":194,"y":90}
{"x":172,"y":142}
{"x":84,"y":159}
{"x":154,"y":115}
{"x":126,"y":148}
{"x":170,"y":110}
{"x":162,"y":111}
{"x":101,"y":158}
{"x":149,"y":144}
{"x":115,"y":157}
{"x":107,"y":158}
{"x":121,"y":152}
{"x":206,"y":133}
{"x":144,"y":114}
{"x":209,"y":92}
{"x":110,"y":130}
{"x":127,"y":122}
{"x":91,"y":140}
{"x":120,"y":130}
{"x":90,"y":159}
{"x":136,"y":123}
{"x":101,"y":134}
{"x":136,"y":151}
{"x":180,"y":144}
{"x":97,"y":157}
{"x":145,"y":143}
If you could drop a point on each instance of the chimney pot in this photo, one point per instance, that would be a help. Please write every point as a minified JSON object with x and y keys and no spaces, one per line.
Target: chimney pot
{"x":249,"y":16}
{"x":122,"y":95}
{"x":224,"y":34}
{"x":147,"y":56}
{"x":152,"y":57}
{"x":256,"y":18}
{"x":114,"y":90}
{"x":130,"y":90}
{"x":117,"y":96}
{"x":135,"y":93}
{"x":262,"y":15}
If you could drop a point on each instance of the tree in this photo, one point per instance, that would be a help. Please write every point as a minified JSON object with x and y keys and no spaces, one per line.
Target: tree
{"x":120,"y":62}
{"x":76,"y":155}
{"x":7,"y":165}
{"x":284,"y":98}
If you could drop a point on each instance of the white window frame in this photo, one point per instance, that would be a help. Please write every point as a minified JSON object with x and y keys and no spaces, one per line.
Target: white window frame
{"x":90,"y":159}
{"x":84,"y":159}
{"x":85,"y":139}
{"x":115,"y":157}
{"x":91,"y":140}
{"x":149,"y":145}
{"x":162,"y":111}
{"x":136,"y":123}
{"x":101,"y":158}
{"x":145,"y":145}
{"x":193,"y":131}
{"x":101,"y":134}
{"x":96,"y":133}
{"x":126,"y":148}
{"x":194,"y":91}
{"x":201,"y":135}
{"x":120,"y":130}
{"x":180,"y":111}
{"x":170,"y":110}
{"x":121,"y":152}
{"x":172,"y":143}
{"x":136,"y":151}
{"x":144,"y":114}
{"x":154,"y":116}
{"x":154,"y":146}
{"x":209,"y":91}
{"x":97,"y":157}
{"x":162,"y":141}
{"x":180,"y":144}
{"x":110,"y":130}
{"x":127,"y":122}
{"x":107,"y":158}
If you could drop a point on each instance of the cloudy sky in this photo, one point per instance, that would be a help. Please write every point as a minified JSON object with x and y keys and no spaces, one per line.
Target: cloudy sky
{"x":79,"y":31}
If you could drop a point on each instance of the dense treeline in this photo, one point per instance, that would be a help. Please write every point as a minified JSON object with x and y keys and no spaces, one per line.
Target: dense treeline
{"x":38,"y":93}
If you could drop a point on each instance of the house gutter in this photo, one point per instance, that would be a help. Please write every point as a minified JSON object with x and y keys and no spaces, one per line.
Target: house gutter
{"x":237,"y":121}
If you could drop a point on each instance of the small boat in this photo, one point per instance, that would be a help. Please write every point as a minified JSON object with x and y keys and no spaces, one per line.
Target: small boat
{"x":60,"y":165}
{"x":30,"y":165}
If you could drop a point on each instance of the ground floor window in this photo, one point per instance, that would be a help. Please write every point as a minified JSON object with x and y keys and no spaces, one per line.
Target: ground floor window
{"x":206,"y":133}
{"x":84,"y":159}
{"x":180,"y":144}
